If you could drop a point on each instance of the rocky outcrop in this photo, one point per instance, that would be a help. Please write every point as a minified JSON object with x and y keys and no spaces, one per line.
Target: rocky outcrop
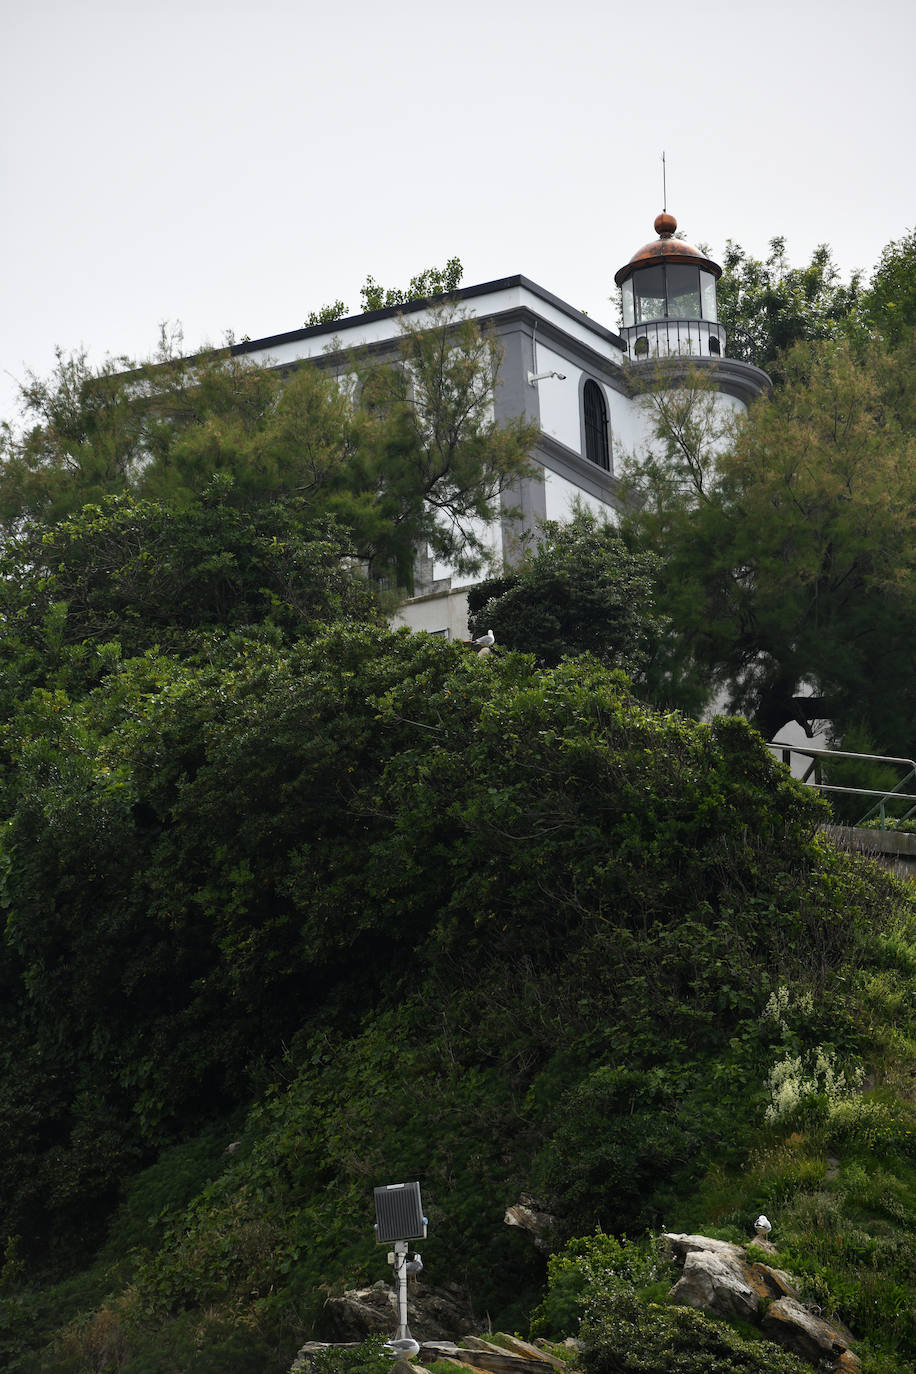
{"x":789,"y":1323}
{"x":530,"y":1216}
{"x":717,"y":1277}
{"x":717,"y":1283}
{"x":433,"y":1313}
{"x":486,"y":1357}
{"x":473,"y":1355}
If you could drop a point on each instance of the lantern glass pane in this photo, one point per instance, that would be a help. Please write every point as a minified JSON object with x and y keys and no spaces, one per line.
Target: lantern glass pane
{"x":649,"y":290}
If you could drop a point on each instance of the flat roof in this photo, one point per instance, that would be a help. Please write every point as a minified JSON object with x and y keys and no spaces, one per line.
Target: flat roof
{"x":464,"y":293}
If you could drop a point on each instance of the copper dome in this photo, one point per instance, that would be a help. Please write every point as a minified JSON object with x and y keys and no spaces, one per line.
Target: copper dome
{"x":666,"y":248}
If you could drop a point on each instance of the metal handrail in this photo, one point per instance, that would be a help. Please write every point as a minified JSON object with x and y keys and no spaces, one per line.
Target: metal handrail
{"x":894,"y":793}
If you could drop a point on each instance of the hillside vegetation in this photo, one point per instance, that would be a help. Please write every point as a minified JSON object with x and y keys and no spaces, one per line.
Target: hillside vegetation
{"x":379,"y":909}
{"x":295,"y":905}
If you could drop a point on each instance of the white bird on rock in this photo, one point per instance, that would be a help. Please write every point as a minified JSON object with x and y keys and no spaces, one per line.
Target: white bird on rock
{"x":485,"y":641}
{"x":405,"y":1347}
{"x":762,"y":1227}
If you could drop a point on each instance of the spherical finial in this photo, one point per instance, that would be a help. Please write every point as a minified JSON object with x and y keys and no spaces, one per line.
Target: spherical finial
{"x":665,"y":225}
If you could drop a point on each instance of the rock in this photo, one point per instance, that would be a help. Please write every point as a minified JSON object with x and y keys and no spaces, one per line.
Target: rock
{"x":791,"y":1325}
{"x":539,"y":1224}
{"x":771,"y":1283}
{"x":516,"y":1346}
{"x":683,"y":1245}
{"x":493,"y":1360}
{"x":717,"y":1278}
{"x":302,"y":1364}
{"x":760,"y":1244}
{"x":358,"y":1313}
{"x":432,"y":1313}
{"x":718,"y":1282}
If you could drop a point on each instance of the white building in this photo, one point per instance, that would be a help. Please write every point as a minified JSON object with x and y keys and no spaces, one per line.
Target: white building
{"x":575,"y":378}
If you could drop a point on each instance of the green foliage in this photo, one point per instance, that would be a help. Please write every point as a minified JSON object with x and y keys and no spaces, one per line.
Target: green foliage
{"x":767,"y":306}
{"x":432,"y":462}
{"x":841,"y":1192}
{"x":408,"y":452}
{"x":580,"y":590}
{"x":614,"y":1287}
{"x":889,"y":304}
{"x":401,"y":911}
{"x":623,"y":1335}
{"x":787,"y":548}
{"x":434,"y":281}
{"x":327,"y":314}
{"x":590,"y":1264}
{"x":137,"y":575}
{"x":367,"y":1358}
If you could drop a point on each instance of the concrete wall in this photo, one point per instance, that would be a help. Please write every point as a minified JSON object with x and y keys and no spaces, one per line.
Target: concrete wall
{"x":893,"y":849}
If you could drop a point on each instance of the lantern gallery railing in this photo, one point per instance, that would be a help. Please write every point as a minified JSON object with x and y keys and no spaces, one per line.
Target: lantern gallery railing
{"x":664,"y":338}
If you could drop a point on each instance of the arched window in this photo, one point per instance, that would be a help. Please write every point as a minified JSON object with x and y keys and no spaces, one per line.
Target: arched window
{"x":597,"y":449}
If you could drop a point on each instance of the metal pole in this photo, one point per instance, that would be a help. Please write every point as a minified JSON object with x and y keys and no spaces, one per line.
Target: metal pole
{"x":400,"y":1274}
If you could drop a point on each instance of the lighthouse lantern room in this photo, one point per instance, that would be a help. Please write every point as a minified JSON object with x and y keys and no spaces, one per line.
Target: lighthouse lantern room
{"x":668,"y":289}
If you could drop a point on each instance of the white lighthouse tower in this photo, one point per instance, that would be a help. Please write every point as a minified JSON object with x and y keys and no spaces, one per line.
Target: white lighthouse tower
{"x":668,"y":290}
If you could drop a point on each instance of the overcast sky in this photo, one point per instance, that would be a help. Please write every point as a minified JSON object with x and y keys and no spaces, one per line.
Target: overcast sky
{"x":232,"y":166}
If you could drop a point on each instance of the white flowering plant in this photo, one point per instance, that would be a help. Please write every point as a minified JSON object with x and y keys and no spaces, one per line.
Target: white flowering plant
{"x":807,"y":1081}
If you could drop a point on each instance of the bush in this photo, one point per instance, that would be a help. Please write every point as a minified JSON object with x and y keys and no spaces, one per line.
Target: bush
{"x":625,"y":1336}
{"x":588,"y":1265}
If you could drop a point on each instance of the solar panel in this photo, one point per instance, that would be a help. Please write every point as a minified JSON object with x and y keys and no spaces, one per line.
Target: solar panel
{"x":399,"y":1213}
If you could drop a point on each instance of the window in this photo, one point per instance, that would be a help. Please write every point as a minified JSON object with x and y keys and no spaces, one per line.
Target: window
{"x":683,"y":291}
{"x":649,"y":286}
{"x":597,"y":449}
{"x":673,"y":291}
{"x":629,"y":310}
{"x":708,"y":292}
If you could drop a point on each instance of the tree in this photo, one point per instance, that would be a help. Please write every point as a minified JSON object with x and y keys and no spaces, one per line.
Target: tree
{"x":766,"y":306}
{"x":889,"y":304}
{"x":407,"y":452}
{"x":143,"y":575}
{"x":580,"y":590}
{"x":788,"y":562}
{"x":434,"y":281}
{"x":429,"y":460}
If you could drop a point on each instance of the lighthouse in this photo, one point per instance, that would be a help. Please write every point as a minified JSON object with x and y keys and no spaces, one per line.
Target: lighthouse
{"x":668,"y":292}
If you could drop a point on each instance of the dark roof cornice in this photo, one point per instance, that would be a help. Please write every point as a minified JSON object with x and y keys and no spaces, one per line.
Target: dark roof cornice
{"x":467,"y":293}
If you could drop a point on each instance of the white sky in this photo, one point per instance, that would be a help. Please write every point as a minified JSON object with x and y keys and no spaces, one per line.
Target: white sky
{"x":232,"y":166}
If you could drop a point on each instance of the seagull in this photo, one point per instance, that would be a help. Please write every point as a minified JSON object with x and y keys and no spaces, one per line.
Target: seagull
{"x":405,"y":1348}
{"x":762,"y":1226}
{"x":485,"y":641}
